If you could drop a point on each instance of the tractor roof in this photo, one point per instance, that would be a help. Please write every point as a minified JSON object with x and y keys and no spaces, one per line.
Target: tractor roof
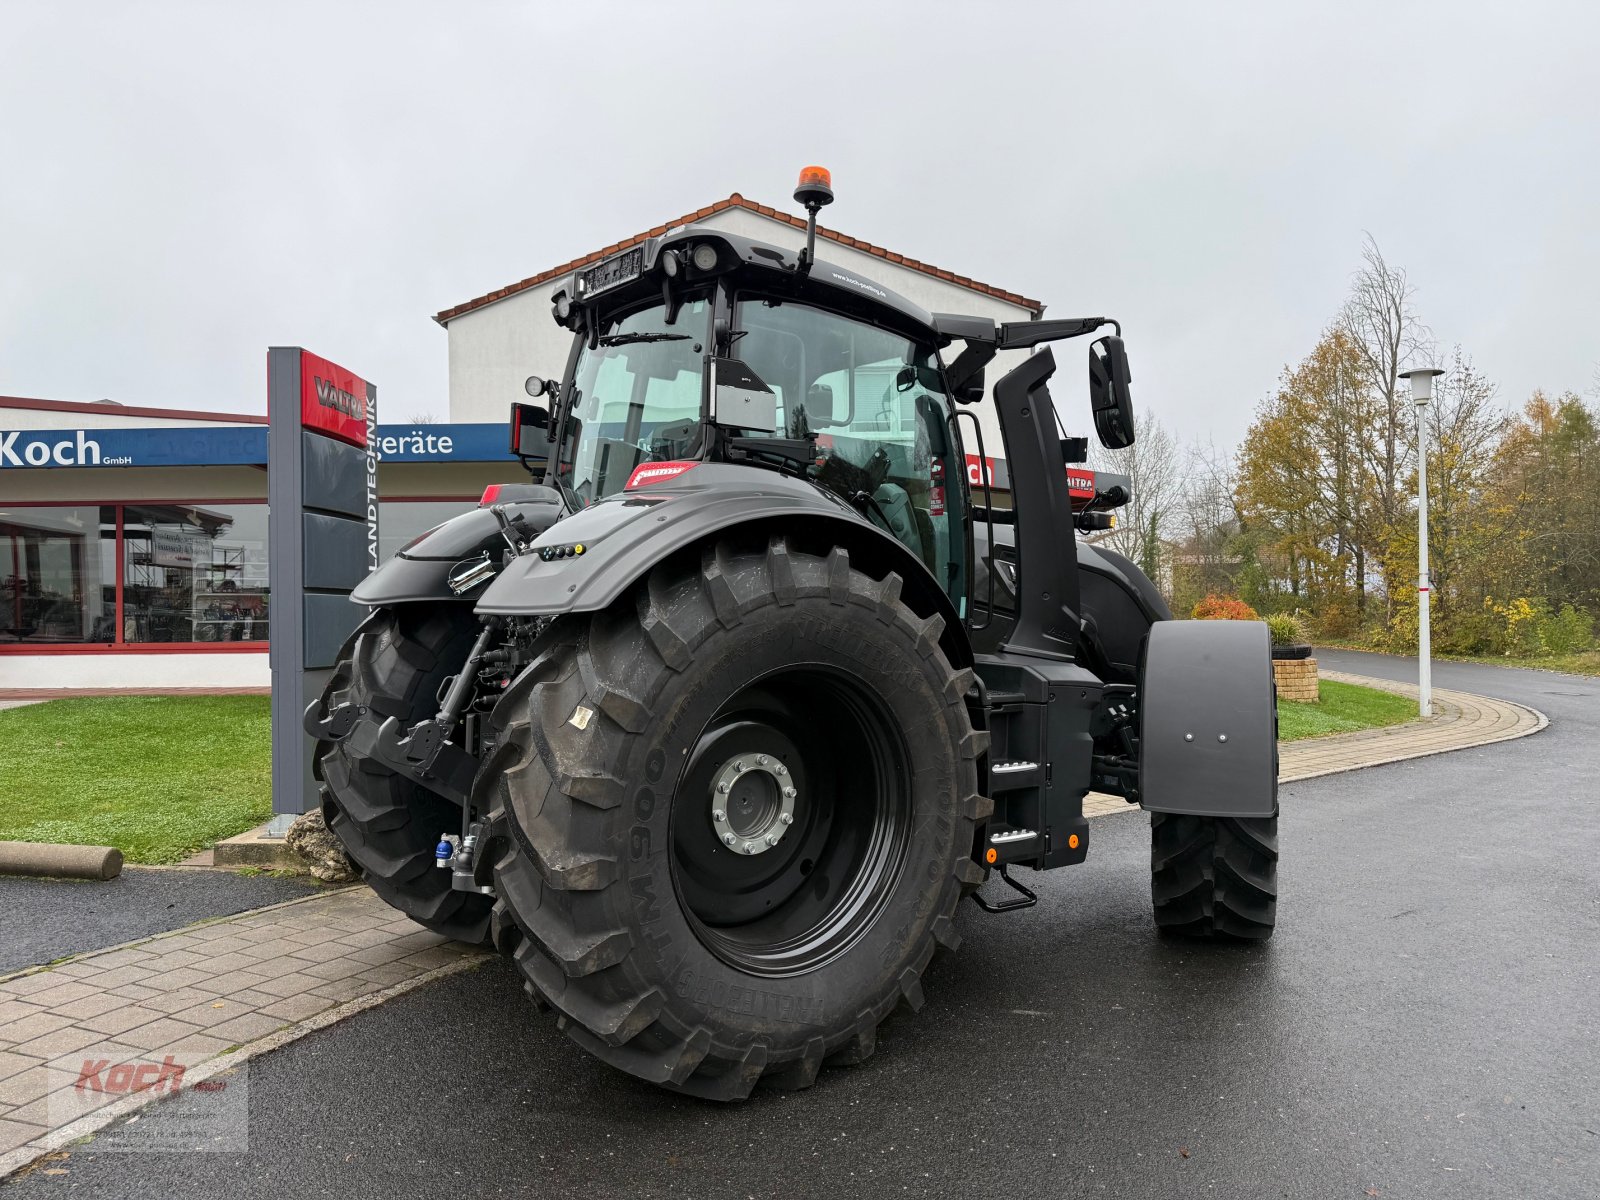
{"x":761,"y":265}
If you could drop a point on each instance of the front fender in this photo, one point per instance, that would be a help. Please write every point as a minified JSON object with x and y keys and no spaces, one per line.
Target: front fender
{"x":624,"y":536}
{"x":1208,"y":725}
{"x":421,"y":568}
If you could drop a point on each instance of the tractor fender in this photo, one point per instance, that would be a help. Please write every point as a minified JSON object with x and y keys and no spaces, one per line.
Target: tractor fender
{"x":420,"y":570}
{"x":1208,"y":722}
{"x":623,"y":536}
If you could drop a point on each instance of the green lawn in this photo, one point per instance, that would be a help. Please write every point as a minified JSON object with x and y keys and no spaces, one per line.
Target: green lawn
{"x":1345,"y":707}
{"x":159,"y":777}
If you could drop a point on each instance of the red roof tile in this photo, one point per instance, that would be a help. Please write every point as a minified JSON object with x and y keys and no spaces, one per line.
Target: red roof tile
{"x":735,"y":201}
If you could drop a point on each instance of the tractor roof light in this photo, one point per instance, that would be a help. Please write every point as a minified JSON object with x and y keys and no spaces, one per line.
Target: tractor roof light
{"x":815,"y":188}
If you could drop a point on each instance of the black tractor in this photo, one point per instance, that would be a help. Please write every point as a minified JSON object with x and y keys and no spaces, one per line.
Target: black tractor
{"x":713,"y":729}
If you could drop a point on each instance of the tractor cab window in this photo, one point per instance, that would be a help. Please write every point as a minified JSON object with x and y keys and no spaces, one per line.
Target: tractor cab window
{"x":874,"y":403}
{"x":635,"y":399}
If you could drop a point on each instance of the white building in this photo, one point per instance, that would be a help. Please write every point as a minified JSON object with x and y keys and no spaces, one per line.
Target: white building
{"x":498,"y":340}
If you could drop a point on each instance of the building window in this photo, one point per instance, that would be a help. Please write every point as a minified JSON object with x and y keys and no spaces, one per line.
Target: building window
{"x":58,"y":575}
{"x":131,"y":576}
{"x":194,"y":573}
{"x":120,"y":576}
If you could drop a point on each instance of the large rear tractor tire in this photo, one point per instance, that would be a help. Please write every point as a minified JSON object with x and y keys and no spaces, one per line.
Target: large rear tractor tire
{"x":393,"y":665}
{"x":732,"y":817}
{"x":1214,"y":877}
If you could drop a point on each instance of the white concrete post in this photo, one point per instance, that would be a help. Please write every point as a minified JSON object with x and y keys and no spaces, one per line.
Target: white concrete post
{"x":1421,"y":394}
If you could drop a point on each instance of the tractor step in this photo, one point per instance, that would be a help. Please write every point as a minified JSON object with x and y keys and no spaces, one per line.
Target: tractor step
{"x":1040,"y":749}
{"x":1023,"y":899}
{"x":1004,"y":846}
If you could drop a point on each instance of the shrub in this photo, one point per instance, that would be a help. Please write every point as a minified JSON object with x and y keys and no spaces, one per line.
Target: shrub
{"x":1286,"y":630}
{"x":1521,"y":618}
{"x":1223,"y":608}
{"x":1566,"y":632}
{"x":1338,"y":621}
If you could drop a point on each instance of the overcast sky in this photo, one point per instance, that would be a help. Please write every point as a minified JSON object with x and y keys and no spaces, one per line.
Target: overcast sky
{"x":182,"y":185}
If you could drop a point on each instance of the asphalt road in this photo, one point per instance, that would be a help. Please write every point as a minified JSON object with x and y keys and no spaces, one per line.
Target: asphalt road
{"x":1423,"y":1025}
{"x":45,"y":919}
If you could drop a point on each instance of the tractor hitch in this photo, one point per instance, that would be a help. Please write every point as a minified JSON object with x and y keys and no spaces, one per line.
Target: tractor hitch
{"x":332,"y":726}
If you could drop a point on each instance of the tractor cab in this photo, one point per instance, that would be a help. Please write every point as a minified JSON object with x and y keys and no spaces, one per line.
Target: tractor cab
{"x":703,"y":347}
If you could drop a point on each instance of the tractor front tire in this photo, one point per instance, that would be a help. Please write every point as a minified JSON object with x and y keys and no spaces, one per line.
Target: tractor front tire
{"x":393,"y":666}
{"x":732,"y":817}
{"x":1214,"y":877}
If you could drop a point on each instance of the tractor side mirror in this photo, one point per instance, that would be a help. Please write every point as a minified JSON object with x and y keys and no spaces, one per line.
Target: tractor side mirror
{"x":970,"y":390}
{"x":528,"y":421}
{"x":1110,"y":394}
{"x":741,"y":399}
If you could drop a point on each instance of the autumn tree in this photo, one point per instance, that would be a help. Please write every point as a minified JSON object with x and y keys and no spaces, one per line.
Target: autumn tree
{"x":1305,"y":478}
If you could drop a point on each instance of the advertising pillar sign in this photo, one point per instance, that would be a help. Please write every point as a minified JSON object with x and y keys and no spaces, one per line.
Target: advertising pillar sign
{"x":322,"y":494}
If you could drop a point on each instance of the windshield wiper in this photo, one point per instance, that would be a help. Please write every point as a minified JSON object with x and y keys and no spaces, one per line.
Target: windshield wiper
{"x":626,"y":339}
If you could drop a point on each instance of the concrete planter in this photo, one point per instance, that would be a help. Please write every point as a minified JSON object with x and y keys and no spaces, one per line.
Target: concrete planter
{"x":1296,"y":677}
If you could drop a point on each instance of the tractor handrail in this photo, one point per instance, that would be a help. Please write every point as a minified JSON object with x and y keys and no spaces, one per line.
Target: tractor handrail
{"x":988,"y":516}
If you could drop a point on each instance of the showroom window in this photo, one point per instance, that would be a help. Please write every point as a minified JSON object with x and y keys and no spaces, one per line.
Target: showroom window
{"x":189,"y":574}
{"x":112,"y":575}
{"x":194,"y":573}
{"x":58,"y":575}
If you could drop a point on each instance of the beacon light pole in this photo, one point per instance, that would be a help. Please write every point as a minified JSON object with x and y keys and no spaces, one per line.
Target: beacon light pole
{"x":1421,"y":395}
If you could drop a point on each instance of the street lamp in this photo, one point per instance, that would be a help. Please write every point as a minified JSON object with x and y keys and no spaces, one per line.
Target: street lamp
{"x":1421,"y":394}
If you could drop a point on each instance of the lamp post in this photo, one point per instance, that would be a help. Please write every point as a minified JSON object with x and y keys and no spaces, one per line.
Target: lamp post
{"x":1421,"y":395}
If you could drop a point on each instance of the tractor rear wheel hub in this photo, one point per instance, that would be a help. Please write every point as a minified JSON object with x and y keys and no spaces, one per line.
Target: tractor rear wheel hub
{"x":752,"y":802}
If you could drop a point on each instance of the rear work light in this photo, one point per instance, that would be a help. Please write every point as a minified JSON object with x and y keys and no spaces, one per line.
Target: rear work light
{"x":491,"y":495}
{"x":649,"y":474}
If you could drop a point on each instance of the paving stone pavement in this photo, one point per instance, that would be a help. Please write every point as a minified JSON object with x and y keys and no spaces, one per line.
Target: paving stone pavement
{"x":201,"y":993}
{"x":196,"y":994}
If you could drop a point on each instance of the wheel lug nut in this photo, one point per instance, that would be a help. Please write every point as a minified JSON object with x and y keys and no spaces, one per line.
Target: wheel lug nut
{"x":789,"y":792}
{"x":743,"y":766}
{"x":787,"y":818}
{"x":722,"y":787}
{"x":718,"y":815}
{"x":782,"y":770}
{"x":749,"y":847}
{"x":762,"y":759}
{"x":772,"y":839}
{"x":729,"y":838}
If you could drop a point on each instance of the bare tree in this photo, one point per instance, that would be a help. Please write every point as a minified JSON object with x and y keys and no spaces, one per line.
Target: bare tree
{"x":1154,"y":467}
{"x":1382,"y":323}
{"x":1465,"y":423}
{"x":1209,"y":520}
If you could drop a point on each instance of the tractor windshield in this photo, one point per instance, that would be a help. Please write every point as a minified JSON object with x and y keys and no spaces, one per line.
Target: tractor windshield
{"x":635,"y":399}
{"x":876,"y":405}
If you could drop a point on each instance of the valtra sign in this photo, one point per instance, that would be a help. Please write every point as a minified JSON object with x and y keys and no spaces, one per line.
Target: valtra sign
{"x":333,"y":400}
{"x":322,"y":493}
